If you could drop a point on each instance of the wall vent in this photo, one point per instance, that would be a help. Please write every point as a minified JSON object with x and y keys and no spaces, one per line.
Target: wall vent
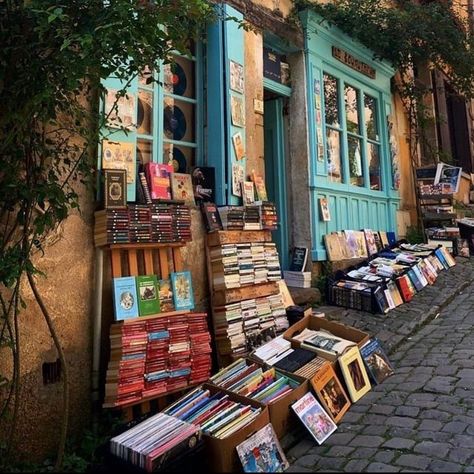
{"x":51,"y":372}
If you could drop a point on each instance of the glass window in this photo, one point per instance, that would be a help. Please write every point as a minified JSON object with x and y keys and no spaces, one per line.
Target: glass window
{"x":331,"y":100}
{"x":333,"y":141}
{"x":370,"y":113}
{"x":352,"y":109}
{"x":374,"y":166}
{"x":355,"y":161}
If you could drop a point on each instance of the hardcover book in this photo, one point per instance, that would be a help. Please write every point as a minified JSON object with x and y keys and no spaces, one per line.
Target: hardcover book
{"x":330,"y":392}
{"x":376,"y":361}
{"x":262,"y":452}
{"x":182,"y":188}
{"x":212,"y":218}
{"x":248,"y":192}
{"x":159,"y":178}
{"x":313,"y":416}
{"x":462,"y":247}
{"x":204,"y":183}
{"x":115,"y":189}
{"x":166,"y":295}
{"x":299,"y":259}
{"x":182,"y":288}
{"x":125,"y":298}
{"x":259,"y":183}
{"x":148,"y":299}
{"x":354,"y":373}
{"x":370,"y":242}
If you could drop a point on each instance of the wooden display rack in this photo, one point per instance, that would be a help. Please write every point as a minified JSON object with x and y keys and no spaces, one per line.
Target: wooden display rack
{"x":222,"y":297}
{"x":147,"y":259}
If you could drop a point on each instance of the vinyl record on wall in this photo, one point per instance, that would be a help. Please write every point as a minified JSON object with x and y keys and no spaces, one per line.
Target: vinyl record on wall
{"x":178,"y":161}
{"x":174,"y":123}
{"x":144,"y":113}
{"x":176,"y":79}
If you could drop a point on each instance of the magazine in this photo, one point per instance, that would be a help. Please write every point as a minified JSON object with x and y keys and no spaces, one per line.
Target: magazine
{"x":313,"y":416}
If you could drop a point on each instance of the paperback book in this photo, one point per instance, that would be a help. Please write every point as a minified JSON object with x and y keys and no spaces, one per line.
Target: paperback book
{"x":376,"y":361}
{"x":148,"y":299}
{"x":166,"y":295}
{"x":125,"y":298}
{"x":182,"y":288}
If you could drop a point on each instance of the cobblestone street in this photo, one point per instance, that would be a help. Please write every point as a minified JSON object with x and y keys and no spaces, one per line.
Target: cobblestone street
{"x":421,"y":418}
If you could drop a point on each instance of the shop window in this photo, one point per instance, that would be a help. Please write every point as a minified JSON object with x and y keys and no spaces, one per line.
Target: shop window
{"x":352,"y":138}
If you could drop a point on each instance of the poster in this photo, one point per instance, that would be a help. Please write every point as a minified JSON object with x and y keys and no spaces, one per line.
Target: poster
{"x":449,"y":175}
{"x":236,"y":77}
{"x":120,"y":111}
{"x":238,"y":175}
{"x":119,"y":156}
{"x":237,"y":111}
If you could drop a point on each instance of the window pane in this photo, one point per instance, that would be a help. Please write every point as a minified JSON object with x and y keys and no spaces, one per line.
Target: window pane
{"x":179,"y":77}
{"x":370,"y":114}
{"x":178,"y":120}
{"x":182,"y":158}
{"x":145,"y":112}
{"x":355,"y":162}
{"x":352,"y":109}
{"x":333,"y":141}
{"x":144,"y":78}
{"x":374,"y":166}
{"x":144,"y":151}
{"x":331,"y":103}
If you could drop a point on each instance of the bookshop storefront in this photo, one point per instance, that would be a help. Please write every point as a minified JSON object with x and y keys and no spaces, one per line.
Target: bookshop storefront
{"x":353,"y":174}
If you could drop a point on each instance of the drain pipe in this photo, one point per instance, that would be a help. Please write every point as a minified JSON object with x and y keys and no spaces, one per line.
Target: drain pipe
{"x":97,"y":328}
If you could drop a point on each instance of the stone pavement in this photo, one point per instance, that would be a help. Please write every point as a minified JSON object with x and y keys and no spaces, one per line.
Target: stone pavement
{"x":421,"y":418}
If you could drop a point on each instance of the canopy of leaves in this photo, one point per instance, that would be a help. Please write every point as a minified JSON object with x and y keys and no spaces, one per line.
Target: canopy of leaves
{"x":407,"y":32}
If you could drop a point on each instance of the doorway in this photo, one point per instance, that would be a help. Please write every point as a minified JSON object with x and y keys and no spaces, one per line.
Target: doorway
{"x":275,"y":153}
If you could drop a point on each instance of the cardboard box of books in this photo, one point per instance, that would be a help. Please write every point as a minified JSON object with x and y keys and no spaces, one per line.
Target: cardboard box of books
{"x":341,"y":331}
{"x":268,"y":385}
{"x":226,"y":419}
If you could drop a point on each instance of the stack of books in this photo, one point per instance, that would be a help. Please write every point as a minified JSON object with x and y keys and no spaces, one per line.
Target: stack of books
{"x":252,"y":218}
{"x":232,"y":217}
{"x":156,"y":356}
{"x":272,"y":261}
{"x":323,"y":342}
{"x":279,"y":313}
{"x":268,"y":215}
{"x":140,"y":223}
{"x":297,"y":279}
{"x":228,"y":329}
{"x":273,"y":351}
{"x":301,"y":362}
{"x":181,"y":223}
{"x":111,"y":227}
{"x":147,"y":444}
{"x":161,"y":223}
{"x":218,"y":415}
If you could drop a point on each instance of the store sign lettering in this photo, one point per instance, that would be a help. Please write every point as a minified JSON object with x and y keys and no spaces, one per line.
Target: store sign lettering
{"x":353,"y":62}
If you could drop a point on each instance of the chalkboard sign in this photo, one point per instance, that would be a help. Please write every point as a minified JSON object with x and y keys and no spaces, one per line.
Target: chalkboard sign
{"x":426,"y":173}
{"x":299,"y":259}
{"x":271,"y":65}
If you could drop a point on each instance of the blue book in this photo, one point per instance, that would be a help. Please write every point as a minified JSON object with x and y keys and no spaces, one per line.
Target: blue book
{"x":125,"y":298}
{"x":392,"y":239}
{"x":183,"y":295}
{"x":376,"y":361}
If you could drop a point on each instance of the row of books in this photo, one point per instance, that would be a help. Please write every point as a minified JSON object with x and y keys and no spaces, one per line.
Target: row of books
{"x":157,"y":355}
{"x":241,"y":326}
{"x":142,"y":223}
{"x":242,"y":264}
{"x":145,"y":295}
{"x":258,"y":216}
{"x":392,"y":278}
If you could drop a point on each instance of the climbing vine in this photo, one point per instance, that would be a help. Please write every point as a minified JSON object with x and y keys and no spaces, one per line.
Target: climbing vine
{"x":54,"y":55}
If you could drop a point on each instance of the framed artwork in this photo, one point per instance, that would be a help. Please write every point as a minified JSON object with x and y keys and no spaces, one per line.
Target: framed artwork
{"x":237,"y":110}
{"x":238,"y":146}
{"x":324,"y":208}
{"x":354,"y":373}
{"x":236,"y":77}
{"x":119,"y":156}
{"x":120,"y":111}
{"x":237,"y":178}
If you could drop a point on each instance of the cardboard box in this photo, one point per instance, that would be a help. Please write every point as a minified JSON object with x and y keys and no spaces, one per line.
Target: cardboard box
{"x":221,"y":454}
{"x":317,"y":323}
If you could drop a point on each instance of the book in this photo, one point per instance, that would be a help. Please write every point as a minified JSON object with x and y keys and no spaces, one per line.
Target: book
{"x":125,"y":298}
{"x":166,"y":295}
{"x":148,"y":298}
{"x":238,"y":144}
{"x":204,"y":183}
{"x":313,"y":416}
{"x":299,"y":259}
{"x":159,"y":179}
{"x":462,"y":247}
{"x":370,"y":242}
{"x":145,"y":188}
{"x":248,"y":192}
{"x":182,"y":288}
{"x":182,"y":188}
{"x":333,"y":247}
{"x":115,"y":189}
{"x":262,"y":452}
{"x":324,"y":208}
{"x":376,"y":361}
{"x":330,"y":392}
{"x":212,"y":218}
{"x":354,"y":373}
{"x":259,"y":183}
{"x":238,"y":177}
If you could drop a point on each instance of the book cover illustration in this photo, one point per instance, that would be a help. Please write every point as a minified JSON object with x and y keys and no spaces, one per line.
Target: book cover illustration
{"x":370,"y":242}
{"x":182,"y":288}
{"x":361,"y":246}
{"x":165,"y":295}
{"x":324,"y":208}
{"x":462,"y":247}
{"x":333,"y":247}
{"x":259,"y":183}
{"x":148,"y":299}
{"x":313,"y":416}
{"x":262,"y":452}
{"x":352,"y":245}
{"x":248,"y":192}
{"x":354,"y":373}
{"x":125,"y":298}
{"x":330,"y":392}
{"x":237,"y":110}
{"x":236,"y":77}
{"x":120,"y":156}
{"x":115,"y":189}
{"x":299,"y":259}
{"x":204,"y":183}
{"x":182,"y":188}
{"x":120,"y":111}
{"x":376,"y":361}
{"x":159,"y":177}
{"x":238,"y":144}
{"x":212,"y":218}
{"x":237,"y":178}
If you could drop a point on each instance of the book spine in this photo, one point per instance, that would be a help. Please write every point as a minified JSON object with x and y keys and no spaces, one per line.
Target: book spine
{"x":146,"y":189}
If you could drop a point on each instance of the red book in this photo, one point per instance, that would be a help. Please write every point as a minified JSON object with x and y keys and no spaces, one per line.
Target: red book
{"x":405,"y":288}
{"x":159,"y":179}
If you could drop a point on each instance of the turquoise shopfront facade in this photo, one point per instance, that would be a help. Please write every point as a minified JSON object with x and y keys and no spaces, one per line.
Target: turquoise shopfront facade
{"x":349,"y":102}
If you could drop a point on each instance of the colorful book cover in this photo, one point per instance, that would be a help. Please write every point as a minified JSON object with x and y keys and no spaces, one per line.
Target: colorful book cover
{"x":248,"y":192}
{"x":370,"y":241}
{"x":354,"y":373}
{"x":182,"y":288}
{"x":148,"y":299}
{"x":204,"y":183}
{"x":125,"y":298}
{"x":313,"y":416}
{"x":262,"y":452}
{"x":166,"y":295}
{"x":182,"y":188}
{"x":376,"y":361}
{"x":159,"y":179}
{"x":259,"y":183}
{"x":212,"y":218}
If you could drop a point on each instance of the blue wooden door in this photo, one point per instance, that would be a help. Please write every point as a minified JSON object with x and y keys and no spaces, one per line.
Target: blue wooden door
{"x":275,"y":174}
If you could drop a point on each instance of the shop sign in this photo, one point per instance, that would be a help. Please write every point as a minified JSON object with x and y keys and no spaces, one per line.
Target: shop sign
{"x":353,"y":62}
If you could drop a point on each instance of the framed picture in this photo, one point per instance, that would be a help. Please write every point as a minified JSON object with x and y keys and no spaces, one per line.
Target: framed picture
{"x":120,"y":111}
{"x":236,"y":77}
{"x":447,"y":174}
{"x":324,"y":207}
{"x":239,"y":148}
{"x":119,"y":156}
{"x":237,"y":110}
{"x":237,"y":178}
{"x":354,"y":373}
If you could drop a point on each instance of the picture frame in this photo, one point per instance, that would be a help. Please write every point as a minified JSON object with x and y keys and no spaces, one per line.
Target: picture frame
{"x":354,"y":374}
{"x":324,"y":208}
{"x":120,"y":112}
{"x":237,"y":110}
{"x":236,"y":77}
{"x":238,"y":174}
{"x":239,"y":148}
{"x":448,"y":175}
